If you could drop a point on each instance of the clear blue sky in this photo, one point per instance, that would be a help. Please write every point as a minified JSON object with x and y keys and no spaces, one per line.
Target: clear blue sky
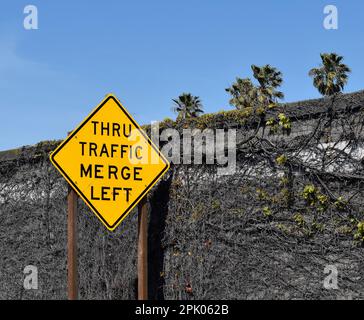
{"x":148,"y":52}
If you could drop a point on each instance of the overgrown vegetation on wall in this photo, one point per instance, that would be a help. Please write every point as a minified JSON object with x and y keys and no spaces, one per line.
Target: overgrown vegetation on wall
{"x":294,"y":206}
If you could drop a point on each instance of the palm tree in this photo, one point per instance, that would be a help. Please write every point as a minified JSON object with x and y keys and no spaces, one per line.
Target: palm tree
{"x":330,"y":79}
{"x":187,"y":106}
{"x":244,"y":94}
{"x":269,"y":79}
{"x":332,"y":76}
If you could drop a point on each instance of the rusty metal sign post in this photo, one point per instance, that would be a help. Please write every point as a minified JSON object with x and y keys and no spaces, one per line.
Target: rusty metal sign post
{"x":72,"y":262}
{"x":143,"y":249}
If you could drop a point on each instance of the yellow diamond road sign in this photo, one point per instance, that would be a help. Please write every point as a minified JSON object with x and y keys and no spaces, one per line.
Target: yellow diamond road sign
{"x":110,"y":162}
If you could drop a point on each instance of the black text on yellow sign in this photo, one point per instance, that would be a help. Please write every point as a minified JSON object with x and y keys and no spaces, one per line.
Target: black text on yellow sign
{"x":110,"y":162}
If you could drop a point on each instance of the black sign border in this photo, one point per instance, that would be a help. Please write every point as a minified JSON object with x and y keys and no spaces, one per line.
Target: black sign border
{"x":113,"y":226}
